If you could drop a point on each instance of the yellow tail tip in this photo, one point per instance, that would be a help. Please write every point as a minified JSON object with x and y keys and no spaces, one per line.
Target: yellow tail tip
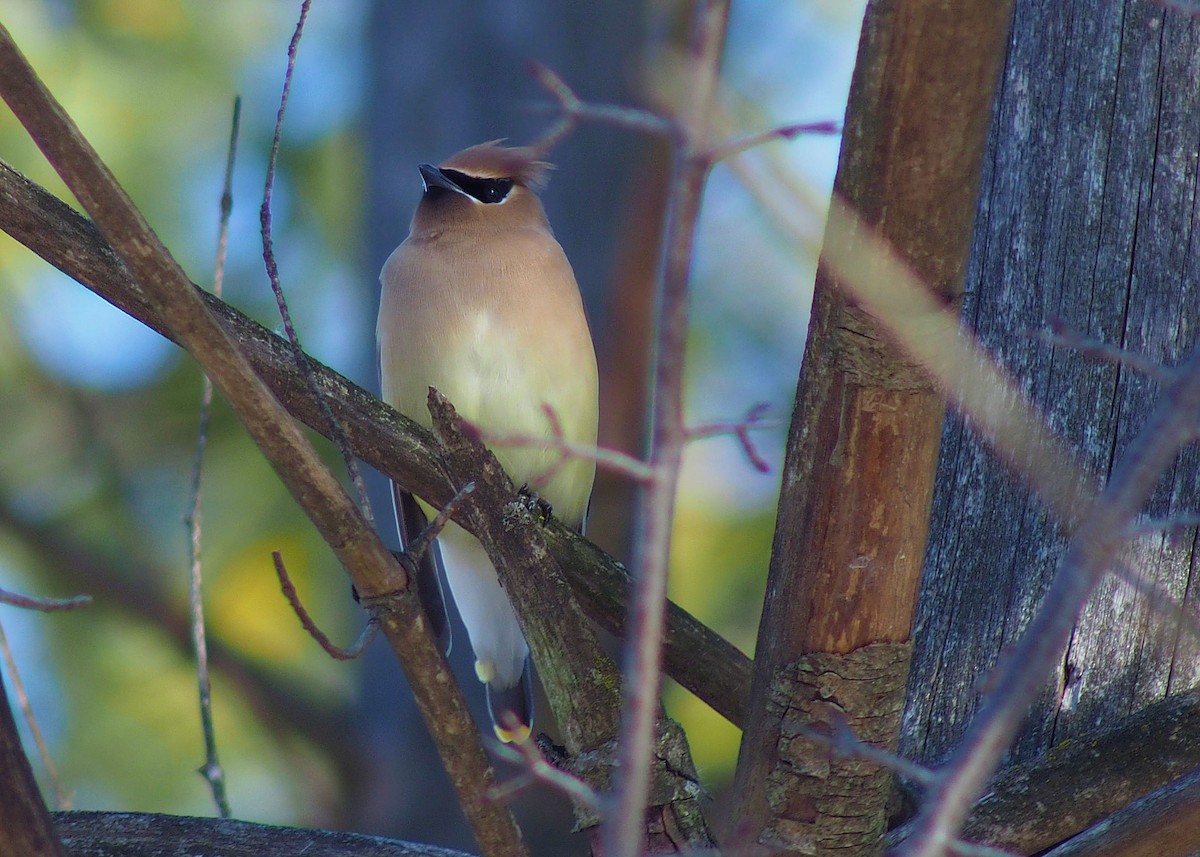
{"x":518,"y":735}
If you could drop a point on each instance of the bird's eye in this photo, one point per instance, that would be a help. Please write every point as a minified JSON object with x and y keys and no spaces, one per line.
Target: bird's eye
{"x":484,"y":190}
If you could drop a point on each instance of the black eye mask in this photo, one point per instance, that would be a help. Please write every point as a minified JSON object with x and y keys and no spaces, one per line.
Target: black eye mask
{"x":484,"y":190}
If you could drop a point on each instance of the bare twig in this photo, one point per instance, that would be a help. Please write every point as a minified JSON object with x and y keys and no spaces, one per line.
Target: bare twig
{"x":419,"y":546}
{"x":741,"y":430}
{"x":337,"y":432}
{"x":45,"y":605}
{"x":1159,"y":598}
{"x":1059,"y":335}
{"x":534,"y":768}
{"x":846,"y":743}
{"x":1171,"y":526}
{"x":573,"y":111}
{"x":293,"y":598}
{"x":61,"y":799}
{"x":620,"y":463}
{"x":425,"y":538}
{"x":625,"y":832}
{"x":212,"y":771}
{"x":736,"y":147}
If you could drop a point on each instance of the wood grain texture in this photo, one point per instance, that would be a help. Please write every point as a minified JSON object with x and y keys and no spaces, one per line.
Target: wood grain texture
{"x":862,"y":448}
{"x":1035,"y":805}
{"x":1165,"y":823}
{"x":1087,"y":214}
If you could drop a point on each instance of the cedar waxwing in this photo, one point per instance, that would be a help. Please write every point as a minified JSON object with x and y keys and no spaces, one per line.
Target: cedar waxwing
{"x":481,"y":303}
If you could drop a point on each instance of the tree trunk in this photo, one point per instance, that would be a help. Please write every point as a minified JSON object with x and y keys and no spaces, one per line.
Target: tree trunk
{"x":863,"y":444}
{"x":1087,"y":215}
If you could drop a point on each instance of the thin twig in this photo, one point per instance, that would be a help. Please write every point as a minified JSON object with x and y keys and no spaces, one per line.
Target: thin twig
{"x":412,"y":554}
{"x":624,"y":834}
{"x":61,"y":799}
{"x":1167,"y":526}
{"x":845,"y":743}
{"x":534,"y":768}
{"x":732,"y":148}
{"x":573,"y":110}
{"x":45,"y":605}
{"x":212,"y":771}
{"x":1058,"y":334}
{"x":293,"y":598}
{"x":424,"y":539}
{"x":741,"y":430}
{"x":615,"y":461}
{"x":336,"y":430}
{"x":1160,"y":600}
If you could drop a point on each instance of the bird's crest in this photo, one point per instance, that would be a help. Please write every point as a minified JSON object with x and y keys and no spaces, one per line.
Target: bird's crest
{"x":493,"y":161}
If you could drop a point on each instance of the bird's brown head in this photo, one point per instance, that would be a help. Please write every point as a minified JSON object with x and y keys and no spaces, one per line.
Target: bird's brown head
{"x":488,"y":186}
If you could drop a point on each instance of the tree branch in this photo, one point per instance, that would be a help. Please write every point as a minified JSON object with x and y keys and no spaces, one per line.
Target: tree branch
{"x":134,"y":834}
{"x":697,"y":658}
{"x":1165,"y":823}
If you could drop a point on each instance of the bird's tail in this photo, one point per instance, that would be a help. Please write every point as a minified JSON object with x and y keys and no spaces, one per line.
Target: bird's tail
{"x":511,"y":708}
{"x":411,"y":522}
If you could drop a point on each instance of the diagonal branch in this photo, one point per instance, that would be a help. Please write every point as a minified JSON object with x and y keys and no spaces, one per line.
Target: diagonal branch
{"x":697,"y":658}
{"x":374,"y":570}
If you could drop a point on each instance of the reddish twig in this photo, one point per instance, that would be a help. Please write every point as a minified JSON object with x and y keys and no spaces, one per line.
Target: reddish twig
{"x":732,"y":148}
{"x":573,"y":110}
{"x":624,"y":834}
{"x":534,"y":768}
{"x":336,"y":430}
{"x":412,"y":554}
{"x":1059,"y":335}
{"x":741,"y":430}
{"x":336,"y":652}
{"x":424,"y":539}
{"x":622,"y":463}
{"x":615,"y":461}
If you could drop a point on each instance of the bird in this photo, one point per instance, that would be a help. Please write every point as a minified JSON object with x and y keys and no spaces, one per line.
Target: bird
{"x":480,"y":302}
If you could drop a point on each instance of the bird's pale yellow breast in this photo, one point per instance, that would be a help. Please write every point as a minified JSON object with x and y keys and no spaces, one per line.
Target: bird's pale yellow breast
{"x":491,"y":316}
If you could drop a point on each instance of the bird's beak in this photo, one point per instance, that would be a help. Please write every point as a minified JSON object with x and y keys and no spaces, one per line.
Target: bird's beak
{"x":433,"y":177}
